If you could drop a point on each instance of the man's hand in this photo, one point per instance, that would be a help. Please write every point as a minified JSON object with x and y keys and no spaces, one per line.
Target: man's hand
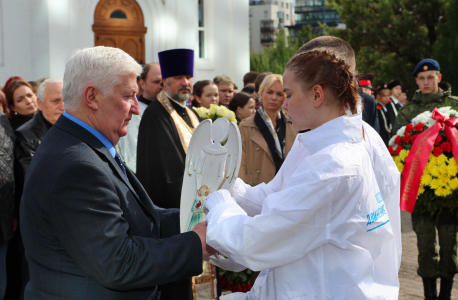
{"x":201,"y":230}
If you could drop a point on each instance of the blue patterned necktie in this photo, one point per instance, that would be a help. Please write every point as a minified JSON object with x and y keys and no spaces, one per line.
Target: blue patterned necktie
{"x":121,"y":164}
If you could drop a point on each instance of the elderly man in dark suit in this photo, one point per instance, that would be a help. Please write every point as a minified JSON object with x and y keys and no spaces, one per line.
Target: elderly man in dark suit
{"x":90,"y":230}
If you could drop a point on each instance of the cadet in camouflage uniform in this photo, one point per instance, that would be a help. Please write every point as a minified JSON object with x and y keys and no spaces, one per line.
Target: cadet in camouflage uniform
{"x":432,"y":93}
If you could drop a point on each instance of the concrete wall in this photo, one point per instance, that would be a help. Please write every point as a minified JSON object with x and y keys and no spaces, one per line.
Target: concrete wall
{"x":37,"y":36}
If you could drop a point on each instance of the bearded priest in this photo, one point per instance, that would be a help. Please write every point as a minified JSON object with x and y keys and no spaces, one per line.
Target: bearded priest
{"x":163,"y":137}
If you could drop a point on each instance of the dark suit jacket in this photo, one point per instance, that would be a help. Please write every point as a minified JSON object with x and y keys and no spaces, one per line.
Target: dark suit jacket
{"x":28,"y":138}
{"x":370,"y":111}
{"x":87,"y":234}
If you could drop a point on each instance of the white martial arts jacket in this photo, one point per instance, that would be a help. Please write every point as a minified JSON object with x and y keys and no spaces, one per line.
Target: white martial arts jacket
{"x":321,"y":228}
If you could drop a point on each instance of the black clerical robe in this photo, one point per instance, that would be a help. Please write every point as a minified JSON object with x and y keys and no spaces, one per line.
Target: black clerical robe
{"x":160,"y":168}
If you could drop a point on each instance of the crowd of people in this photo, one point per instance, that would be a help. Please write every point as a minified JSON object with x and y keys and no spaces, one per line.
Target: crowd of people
{"x":135,"y":130}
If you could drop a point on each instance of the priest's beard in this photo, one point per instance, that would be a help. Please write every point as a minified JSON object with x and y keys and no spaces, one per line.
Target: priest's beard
{"x":181,"y":97}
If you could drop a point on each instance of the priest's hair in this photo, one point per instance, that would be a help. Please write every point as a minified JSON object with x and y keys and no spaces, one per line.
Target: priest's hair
{"x":41,"y":93}
{"x":100,"y":66}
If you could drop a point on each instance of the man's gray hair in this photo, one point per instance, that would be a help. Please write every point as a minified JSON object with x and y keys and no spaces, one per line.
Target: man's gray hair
{"x":100,"y":66}
{"x":41,"y":93}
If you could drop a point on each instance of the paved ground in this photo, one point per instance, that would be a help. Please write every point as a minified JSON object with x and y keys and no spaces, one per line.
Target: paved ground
{"x":411,"y":284}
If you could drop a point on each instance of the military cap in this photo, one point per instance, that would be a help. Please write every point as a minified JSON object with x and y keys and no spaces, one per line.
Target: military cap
{"x":365,"y":80}
{"x":380,"y":88}
{"x":394,"y":83}
{"x":426,"y":65}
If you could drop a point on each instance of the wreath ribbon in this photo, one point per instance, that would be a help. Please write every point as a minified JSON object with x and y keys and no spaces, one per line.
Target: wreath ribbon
{"x":418,"y":157}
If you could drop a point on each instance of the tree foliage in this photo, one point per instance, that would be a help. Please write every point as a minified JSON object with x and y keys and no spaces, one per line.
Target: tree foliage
{"x":274,"y":58}
{"x":447,"y":45}
{"x":390,"y":36}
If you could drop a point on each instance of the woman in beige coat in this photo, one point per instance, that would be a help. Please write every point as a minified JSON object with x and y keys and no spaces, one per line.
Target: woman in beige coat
{"x":267,"y":136}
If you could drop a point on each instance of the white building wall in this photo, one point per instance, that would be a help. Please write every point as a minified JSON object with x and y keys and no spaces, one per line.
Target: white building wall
{"x":37,"y":36}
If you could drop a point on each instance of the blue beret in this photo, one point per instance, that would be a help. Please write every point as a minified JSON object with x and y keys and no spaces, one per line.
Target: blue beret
{"x":426,"y":65}
{"x":176,"y":62}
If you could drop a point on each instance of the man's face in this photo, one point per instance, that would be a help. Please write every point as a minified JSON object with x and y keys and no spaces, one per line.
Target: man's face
{"x":226,"y":92}
{"x":152,"y":85}
{"x":403,"y":98}
{"x":396,"y":92}
{"x":53,"y":104}
{"x":428,"y":81}
{"x":367,"y":91}
{"x":179,"y":88}
{"x":115,"y":109}
{"x":383,"y":97}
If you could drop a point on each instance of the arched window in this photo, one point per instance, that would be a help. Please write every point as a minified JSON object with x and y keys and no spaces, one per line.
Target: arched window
{"x":118,"y":14}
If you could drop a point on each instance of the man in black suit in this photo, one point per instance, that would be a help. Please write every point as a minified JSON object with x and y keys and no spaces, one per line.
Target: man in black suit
{"x":89,"y":229}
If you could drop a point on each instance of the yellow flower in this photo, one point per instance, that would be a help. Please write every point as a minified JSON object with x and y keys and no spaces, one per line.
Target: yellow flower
{"x":430,"y":166}
{"x":425,"y":171}
{"x":435,"y":184}
{"x":453,"y":183}
{"x":444,"y":169}
{"x":228,"y":116}
{"x":421,"y":189}
{"x":400,"y":166}
{"x":426,"y":179}
{"x":432,"y":159}
{"x":212,"y":110}
{"x":435,"y":171}
{"x":452,"y":161}
{"x":202,"y":112}
{"x":442,"y":192}
{"x":403,"y":154}
{"x":452,"y":169}
{"x":442,"y":159}
{"x":221,"y":111}
{"x":397,"y":159}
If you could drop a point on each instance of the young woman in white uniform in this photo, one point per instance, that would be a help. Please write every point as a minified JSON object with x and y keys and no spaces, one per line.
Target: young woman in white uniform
{"x":320,"y":229}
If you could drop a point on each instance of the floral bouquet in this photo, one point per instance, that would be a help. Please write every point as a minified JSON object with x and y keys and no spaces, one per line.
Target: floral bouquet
{"x":236,"y":281}
{"x":215,"y":112}
{"x":425,"y":152}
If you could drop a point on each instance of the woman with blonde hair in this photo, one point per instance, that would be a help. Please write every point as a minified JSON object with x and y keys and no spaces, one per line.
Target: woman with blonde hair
{"x":267,"y":136}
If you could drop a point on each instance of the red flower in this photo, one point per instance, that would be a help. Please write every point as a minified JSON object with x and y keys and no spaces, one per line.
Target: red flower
{"x":446,"y":146}
{"x":244,"y":287}
{"x":229,"y":286}
{"x":419,"y":127}
{"x":250,"y":285}
{"x":414,"y":137}
{"x":397,"y":141}
{"x":223,"y":282}
{"x":390,"y":149}
{"x":409,"y":128}
{"x":438,"y":139}
{"x":406,"y":138}
{"x":379,"y":107}
{"x":398,"y":149}
{"x":437,"y":151}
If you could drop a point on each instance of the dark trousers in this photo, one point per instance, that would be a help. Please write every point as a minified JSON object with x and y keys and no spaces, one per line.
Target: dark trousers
{"x":430,"y":265}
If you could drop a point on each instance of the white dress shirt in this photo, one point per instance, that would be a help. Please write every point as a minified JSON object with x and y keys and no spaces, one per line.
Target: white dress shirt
{"x":321,"y":228}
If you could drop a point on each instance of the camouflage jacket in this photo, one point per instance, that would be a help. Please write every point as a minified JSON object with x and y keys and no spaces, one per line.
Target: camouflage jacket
{"x":423,"y":102}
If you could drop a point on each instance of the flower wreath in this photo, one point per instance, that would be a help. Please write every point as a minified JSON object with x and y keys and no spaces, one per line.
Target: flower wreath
{"x":425,"y":152}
